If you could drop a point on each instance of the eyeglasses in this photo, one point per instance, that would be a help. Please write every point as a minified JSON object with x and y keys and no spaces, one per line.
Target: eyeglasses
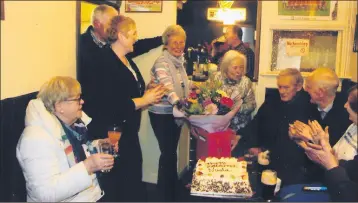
{"x":78,"y":99}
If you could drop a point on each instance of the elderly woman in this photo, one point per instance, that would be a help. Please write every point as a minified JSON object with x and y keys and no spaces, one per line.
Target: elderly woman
{"x":118,"y":98}
{"x":168,"y":70}
{"x":57,"y":159}
{"x":341,"y":162}
{"x":238,"y":87}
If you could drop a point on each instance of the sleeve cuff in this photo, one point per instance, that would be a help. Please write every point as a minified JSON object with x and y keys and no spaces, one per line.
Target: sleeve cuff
{"x":335,"y":175}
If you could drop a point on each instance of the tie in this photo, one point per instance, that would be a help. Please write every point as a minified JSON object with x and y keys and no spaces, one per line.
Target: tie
{"x":323,"y":114}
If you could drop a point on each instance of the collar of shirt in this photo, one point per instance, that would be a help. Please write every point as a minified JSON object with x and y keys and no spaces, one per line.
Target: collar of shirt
{"x":97,"y":41}
{"x":327,"y":109}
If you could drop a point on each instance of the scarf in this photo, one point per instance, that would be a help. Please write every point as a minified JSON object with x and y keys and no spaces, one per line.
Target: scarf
{"x":76,"y":135}
{"x":176,"y":64}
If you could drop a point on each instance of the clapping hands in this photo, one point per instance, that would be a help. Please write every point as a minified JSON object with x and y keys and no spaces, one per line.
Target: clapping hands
{"x":155,"y":94}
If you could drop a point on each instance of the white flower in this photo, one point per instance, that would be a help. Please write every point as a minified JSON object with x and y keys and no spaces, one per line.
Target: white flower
{"x":211,"y":109}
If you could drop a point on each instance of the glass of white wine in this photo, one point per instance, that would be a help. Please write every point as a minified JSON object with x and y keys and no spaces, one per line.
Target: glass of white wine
{"x":106,"y":148}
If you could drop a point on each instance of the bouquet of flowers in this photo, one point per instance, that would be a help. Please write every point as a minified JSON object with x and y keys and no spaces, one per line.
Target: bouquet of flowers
{"x":208,"y":107}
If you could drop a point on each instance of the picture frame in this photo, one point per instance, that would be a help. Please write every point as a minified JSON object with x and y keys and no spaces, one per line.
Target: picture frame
{"x":355,"y":43}
{"x":114,"y":3}
{"x":143,"y":6}
{"x":308,"y":10}
{"x":2,"y":10}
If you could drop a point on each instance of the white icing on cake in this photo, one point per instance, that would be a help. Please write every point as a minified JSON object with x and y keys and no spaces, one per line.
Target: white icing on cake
{"x":221,"y":177}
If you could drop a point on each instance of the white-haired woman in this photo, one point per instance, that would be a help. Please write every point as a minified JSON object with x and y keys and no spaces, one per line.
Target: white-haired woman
{"x":58,"y":161}
{"x":238,"y":87}
{"x":169,"y":70}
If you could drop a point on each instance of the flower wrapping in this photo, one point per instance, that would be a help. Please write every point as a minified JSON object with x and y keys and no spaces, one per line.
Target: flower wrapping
{"x":210,"y":123}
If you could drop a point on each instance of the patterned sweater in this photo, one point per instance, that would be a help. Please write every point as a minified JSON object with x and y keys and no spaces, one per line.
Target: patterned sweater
{"x":169,"y":71}
{"x":237,"y":90}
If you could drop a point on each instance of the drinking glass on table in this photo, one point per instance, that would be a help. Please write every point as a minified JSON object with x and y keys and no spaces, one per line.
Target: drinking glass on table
{"x":114,"y":134}
{"x":268,"y":181}
{"x":106,"y":148}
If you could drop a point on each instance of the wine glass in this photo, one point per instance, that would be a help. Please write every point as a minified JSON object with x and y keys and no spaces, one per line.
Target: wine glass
{"x":106,"y":148}
{"x":114,"y":134}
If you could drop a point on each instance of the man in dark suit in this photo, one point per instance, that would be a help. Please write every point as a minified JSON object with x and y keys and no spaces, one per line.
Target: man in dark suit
{"x":322,"y":85}
{"x":269,"y":128}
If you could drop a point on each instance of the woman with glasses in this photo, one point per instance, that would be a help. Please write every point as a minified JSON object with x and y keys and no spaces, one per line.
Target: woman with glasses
{"x":118,"y":98}
{"x":58,"y":161}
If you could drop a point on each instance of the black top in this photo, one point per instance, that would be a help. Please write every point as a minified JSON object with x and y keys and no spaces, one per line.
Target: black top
{"x":342,"y":181}
{"x":108,"y":86}
{"x":269,"y":129}
{"x":89,"y":52}
{"x":109,"y":99}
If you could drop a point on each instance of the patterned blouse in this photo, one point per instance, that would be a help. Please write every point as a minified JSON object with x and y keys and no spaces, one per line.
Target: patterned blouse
{"x":237,"y":90}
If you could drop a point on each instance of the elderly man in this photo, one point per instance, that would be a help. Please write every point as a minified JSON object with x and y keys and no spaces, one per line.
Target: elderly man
{"x":269,"y":128}
{"x":94,"y":40}
{"x":322,"y":86}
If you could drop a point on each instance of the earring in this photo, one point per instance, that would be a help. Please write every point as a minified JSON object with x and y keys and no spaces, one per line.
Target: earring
{"x":61,"y":111}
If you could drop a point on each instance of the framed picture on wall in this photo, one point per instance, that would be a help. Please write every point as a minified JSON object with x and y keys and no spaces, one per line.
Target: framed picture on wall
{"x":2,"y":10}
{"x":114,"y":3}
{"x":143,"y":6}
{"x":355,"y":43}
{"x":308,"y":10}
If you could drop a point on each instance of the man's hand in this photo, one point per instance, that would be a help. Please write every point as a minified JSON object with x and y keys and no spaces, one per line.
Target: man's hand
{"x":234,"y":141}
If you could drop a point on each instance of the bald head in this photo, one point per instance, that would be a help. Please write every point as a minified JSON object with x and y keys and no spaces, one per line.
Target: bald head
{"x":101,"y":18}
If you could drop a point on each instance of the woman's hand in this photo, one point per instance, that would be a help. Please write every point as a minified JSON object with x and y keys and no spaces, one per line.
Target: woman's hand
{"x":97,"y":162}
{"x":324,"y":156}
{"x":152,"y":84}
{"x":154,"y":95}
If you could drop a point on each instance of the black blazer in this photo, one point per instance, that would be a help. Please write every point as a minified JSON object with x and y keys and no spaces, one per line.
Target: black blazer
{"x":337,"y":119}
{"x":108,"y":100}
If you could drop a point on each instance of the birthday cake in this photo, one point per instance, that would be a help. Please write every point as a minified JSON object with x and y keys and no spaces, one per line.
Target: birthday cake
{"x":221,"y":177}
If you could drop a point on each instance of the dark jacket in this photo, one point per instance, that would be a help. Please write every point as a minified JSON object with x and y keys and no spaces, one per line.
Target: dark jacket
{"x":89,"y":52}
{"x":337,"y":119}
{"x":109,"y":100}
{"x":269,"y":129}
{"x":342,"y":181}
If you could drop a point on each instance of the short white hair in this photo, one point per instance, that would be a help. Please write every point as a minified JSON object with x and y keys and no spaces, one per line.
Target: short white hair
{"x":293,"y":72}
{"x":228,"y":58}
{"x":326,"y":79}
{"x":172,"y":30}
{"x":98,"y":12}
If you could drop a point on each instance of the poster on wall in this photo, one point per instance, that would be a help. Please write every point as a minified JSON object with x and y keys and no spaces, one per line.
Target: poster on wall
{"x":297,"y":47}
{"x":308,"y":10}
{"x":143,"y":6}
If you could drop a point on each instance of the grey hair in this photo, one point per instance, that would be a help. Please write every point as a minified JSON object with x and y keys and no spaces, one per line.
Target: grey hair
{"x":58,"y":89}
{"x":228,"y":58}
{"x":293,"y":72}
{"x":172,"y":30}
{"x":326,"y":79}
{"x":99,"y":11}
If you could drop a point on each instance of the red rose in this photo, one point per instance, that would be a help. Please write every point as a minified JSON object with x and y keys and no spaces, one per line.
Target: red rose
{"x":192,"y":95}
{"x":226,"y":101}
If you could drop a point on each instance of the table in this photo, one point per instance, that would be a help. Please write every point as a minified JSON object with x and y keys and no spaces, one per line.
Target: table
{"x":288,"y":193}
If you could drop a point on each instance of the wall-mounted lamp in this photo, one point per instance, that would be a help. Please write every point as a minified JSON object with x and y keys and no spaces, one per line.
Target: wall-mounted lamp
{"x":227,"y":16}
